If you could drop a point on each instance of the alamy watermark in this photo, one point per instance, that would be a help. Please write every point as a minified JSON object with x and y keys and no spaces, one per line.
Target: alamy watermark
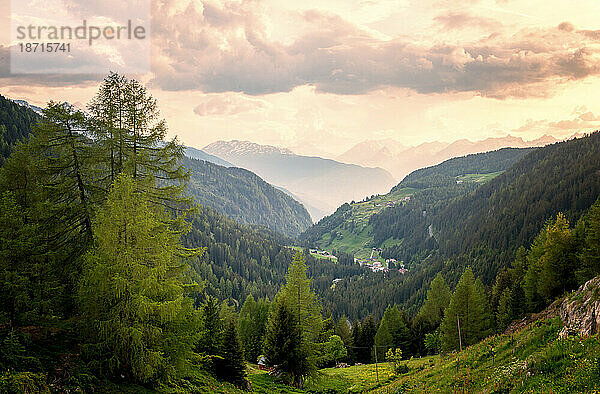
{"x":78,"y":36}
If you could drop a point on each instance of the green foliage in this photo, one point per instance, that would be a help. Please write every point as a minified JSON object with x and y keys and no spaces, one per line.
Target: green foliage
{"x":295,"y":325}
{"x":438,"y":299}
{"x":139,"y":322}
{"x":23,"y":382}
{"x":392,"y":332}
{"x":469,"y":304}
{"x":283,"y":344}
{"x":231,"y":366}
{"x":395,"y":356}
{"x":551,"y":264}
{"x":590,"y":253}
{"x":433,"y":342}
{"x":253,"y":325}
{"x":335,"y":349}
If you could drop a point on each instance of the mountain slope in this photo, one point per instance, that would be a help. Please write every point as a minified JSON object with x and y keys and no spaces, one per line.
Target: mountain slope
{"x":320,"y":183}
{"x":199,"y":154}
{"x":244,"y":197}
{"x":350,"y":228}
{"x":400,"y":160}
{"x":15,"y":125}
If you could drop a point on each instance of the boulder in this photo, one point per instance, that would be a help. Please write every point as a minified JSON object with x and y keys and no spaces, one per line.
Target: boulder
{"x":580,"y":311}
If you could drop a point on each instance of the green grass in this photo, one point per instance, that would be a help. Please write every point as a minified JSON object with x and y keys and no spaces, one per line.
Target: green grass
{"x":532,"y":360}
{"x":478,"y":178}
{"x":359,"y":240}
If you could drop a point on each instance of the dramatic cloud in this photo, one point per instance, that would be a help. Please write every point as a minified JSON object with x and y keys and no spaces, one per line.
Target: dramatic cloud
{"x":220,"y":48}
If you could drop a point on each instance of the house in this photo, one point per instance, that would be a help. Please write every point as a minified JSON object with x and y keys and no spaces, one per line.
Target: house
{"x":262,"y":364}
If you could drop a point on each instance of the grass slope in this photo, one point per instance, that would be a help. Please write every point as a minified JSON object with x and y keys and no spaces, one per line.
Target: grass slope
{"x":531,"y":360}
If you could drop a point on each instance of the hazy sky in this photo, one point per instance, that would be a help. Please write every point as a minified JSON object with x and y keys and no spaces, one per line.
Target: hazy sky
{"x":321,"y":75}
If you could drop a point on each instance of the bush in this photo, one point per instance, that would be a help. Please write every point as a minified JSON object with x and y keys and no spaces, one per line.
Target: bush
{"x":23,"y":382}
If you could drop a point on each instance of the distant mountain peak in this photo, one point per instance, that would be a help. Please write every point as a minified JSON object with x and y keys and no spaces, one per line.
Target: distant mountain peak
{"x":244,"y":147}
{"x":25,"y":104}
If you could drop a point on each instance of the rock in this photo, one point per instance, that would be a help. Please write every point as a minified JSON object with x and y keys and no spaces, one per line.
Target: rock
{"x":580,"y":311}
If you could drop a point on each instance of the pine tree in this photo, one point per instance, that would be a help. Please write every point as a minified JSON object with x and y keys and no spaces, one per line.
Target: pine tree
{"x":283,"y":343}
{"x":469,"y":304}
{"x":231,"y":366}
{"x":301,"y":302}
{"x":139,"y":322}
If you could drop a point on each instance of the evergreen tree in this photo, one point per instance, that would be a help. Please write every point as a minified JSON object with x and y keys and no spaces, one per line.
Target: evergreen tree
{"x":253,"y":325}
{"x":138,"y":321}
{"x":552,"y":262}
{"x":392,"y":332}
{"x":469,"y":304}
{"x":211,"y":339}
{"x":438,"y":299}
{"x":590,"y":255}
{"x":231,"y":366}
{"x":283,"y":344}
{"x":366,"y":340}
{"x":127,"y":127}
{"x":302,"y":303}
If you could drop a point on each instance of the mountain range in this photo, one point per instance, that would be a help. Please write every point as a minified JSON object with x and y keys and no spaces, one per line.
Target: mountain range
{"x":214,"y":183}
{"x":400,"y":159}
{"x":320,"y":184}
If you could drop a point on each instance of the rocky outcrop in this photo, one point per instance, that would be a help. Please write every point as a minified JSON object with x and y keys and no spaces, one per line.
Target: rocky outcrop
{"x":580,"y":311}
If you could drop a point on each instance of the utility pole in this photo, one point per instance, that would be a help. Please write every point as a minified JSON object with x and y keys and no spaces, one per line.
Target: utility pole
{"x":459,"y":338}
{"x":376,"y":370}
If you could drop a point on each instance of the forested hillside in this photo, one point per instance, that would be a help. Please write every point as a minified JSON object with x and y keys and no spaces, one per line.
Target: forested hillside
{"x":482,"y":229}
{"x":359,"y":226}
{"x":15,"y":124}
{"x":244,"y":197}
{"x":488,"y":225}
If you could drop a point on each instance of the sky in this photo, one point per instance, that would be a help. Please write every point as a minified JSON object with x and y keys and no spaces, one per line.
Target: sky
{"x":319,"y":76}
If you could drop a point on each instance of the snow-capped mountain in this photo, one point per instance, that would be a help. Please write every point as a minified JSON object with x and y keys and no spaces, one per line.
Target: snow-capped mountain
{"x":24,"y":103}
{"x":224,"y":148}
{"x":320,"y":184}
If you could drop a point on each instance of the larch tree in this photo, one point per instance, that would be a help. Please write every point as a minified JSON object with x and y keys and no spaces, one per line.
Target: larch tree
{"x":138,"y":320}
{"x":469,"y":305}
{"x":438,"y":299}
{"x":127,"y":127}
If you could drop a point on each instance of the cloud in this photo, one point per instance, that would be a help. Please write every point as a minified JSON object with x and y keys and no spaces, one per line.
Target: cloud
{"x":462,"y":20}
{"x":49,"y":80}
{"x":227,"y":104}
{"x":582,"y":120}
{"x":227,"y":48}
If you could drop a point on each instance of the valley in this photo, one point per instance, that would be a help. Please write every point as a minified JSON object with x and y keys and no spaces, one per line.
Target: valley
{"x":475,"y":273}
